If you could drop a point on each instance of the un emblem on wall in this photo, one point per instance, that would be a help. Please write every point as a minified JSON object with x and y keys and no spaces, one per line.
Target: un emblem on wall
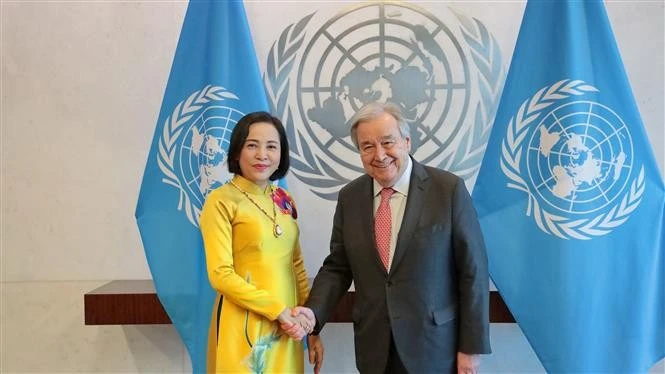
{"x":574,"y":159}
{"x":193,"y":147}
{"x":444,"y":78}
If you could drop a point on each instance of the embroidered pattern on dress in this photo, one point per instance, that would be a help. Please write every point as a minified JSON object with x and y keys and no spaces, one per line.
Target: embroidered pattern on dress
{"x":256,"y":361}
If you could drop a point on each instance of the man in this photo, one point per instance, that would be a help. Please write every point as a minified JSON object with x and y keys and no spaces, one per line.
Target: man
{"x":415,"y":253}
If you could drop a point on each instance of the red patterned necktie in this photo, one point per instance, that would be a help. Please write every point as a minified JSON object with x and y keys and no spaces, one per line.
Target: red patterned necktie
{"x":383,"y":226}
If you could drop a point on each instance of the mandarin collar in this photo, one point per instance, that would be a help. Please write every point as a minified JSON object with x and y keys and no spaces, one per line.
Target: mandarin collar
{"x":251,"y":187}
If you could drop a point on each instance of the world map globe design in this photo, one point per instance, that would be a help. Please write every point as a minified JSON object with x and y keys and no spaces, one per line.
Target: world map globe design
{"x":396,"y":53}
{"x":579,"y":157}
{"x":203,"y":152}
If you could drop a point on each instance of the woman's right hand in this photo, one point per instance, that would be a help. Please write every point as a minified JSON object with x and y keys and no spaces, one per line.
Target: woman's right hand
{"x":291,"y":325}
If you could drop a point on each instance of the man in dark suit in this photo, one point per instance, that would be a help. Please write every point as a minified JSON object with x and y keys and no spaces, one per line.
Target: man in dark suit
{"x":407,"y":235}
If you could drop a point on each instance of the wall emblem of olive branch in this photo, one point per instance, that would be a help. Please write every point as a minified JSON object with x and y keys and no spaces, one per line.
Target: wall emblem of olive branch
{"x":445,"y":76}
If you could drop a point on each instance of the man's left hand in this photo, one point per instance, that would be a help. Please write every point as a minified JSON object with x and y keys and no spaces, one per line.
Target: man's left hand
{"x":315,"y":347}
{"x":466,"y":363}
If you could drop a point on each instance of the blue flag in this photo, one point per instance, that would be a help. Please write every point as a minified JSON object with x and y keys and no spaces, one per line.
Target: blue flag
{"x":571,"y":201}
{"x":214,"y":81}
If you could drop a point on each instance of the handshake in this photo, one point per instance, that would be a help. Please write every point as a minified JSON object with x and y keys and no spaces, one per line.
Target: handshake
{"x":297,"y":322}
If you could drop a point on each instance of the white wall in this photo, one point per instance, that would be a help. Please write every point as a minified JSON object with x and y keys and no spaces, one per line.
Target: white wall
{"x":81,"y":87}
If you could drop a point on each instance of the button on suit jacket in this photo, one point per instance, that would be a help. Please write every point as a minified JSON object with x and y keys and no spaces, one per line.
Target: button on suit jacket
{"x":435,"y":298}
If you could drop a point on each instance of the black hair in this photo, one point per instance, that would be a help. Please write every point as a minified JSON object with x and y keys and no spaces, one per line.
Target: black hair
{"x":240,"y":133}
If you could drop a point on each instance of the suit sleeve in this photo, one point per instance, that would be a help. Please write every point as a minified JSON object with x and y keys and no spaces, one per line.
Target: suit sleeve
{"x":473,"y":278}
{"x":334,"y":278}
{"x":216,"y":227}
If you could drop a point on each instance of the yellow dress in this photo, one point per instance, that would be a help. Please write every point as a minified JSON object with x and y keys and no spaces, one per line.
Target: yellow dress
{"x":256,"y":276}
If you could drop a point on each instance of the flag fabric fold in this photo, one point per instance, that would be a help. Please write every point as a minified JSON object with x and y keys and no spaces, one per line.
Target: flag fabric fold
{"x":571,"y":200}
{"x":214,"y":81}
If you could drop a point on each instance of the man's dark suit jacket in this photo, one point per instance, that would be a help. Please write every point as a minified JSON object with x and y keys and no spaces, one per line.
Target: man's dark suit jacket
{"x":434,"y":300}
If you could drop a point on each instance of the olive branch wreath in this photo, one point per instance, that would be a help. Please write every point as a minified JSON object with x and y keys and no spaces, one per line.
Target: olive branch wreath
{"x":172,"y":129}
{"x":486,"y":55}
{"x":511,"y":155}
{"x":307,"y":167}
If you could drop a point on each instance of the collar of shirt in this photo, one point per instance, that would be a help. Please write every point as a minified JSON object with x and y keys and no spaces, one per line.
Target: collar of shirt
{"x":402,"y":184}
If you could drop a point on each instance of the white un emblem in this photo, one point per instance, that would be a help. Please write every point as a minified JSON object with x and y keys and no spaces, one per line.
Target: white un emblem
{"x":445,"y":75}
{"x":193,"y":147}
{"x":579,"y":157}
{"x":575,"y":160}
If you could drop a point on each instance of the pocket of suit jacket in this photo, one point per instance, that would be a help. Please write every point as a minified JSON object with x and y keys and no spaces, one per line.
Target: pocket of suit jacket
{"x":443,"y":315}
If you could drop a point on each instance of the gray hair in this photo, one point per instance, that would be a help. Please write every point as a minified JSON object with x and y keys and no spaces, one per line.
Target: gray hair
{"x":374,"y":110}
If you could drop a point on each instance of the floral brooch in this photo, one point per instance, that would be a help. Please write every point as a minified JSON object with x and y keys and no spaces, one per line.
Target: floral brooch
{"x":285,"y":203}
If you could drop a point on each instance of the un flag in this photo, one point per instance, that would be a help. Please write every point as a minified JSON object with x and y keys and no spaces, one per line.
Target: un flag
{"x":570,"y":198}
{"x":214,"y":81}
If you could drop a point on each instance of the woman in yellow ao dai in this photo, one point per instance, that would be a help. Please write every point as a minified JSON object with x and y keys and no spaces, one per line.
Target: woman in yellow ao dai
{"x":253,"y":256}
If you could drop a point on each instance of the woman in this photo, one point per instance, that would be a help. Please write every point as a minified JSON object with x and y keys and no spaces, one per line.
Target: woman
{"x":254,"y":259}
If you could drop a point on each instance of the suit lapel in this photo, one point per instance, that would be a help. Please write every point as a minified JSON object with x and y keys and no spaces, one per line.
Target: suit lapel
{"x":414,"y":207}
{"x":365,"y":205}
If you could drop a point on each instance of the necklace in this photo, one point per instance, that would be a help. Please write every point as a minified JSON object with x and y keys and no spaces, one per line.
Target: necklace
{"x":276,"y":229}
